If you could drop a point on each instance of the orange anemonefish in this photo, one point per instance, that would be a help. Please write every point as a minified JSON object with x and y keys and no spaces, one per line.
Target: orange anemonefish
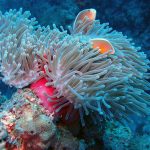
{"x":103,"y":45}
{"x":86,"y":16}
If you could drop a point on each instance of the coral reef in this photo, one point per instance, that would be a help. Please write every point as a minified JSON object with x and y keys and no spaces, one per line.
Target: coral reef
{"x":90,"y":72}
{"x":3,"y":136}
{"x":27,"y":126}
{"x":65,"y":140}
{"x":116,"y":136}
{"x":30,"y":127}
{"x":140,"y":143}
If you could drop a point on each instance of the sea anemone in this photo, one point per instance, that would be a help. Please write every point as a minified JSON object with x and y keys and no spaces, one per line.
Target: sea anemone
{"x":92,"y":70}
{"x":109,"y":79}
{"x":17,"y":62}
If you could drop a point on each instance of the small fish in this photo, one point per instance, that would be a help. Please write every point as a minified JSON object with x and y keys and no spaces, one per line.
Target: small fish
{"x":103,"y":45}
{"x":84,"y":20}
{"x":83,"y":23}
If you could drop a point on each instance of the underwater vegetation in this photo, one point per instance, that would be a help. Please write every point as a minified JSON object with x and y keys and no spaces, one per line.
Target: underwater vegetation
{"x":66,"y":78}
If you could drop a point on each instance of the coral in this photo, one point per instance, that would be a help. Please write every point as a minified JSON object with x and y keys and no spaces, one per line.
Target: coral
{"x":27,"y":125}
{"x":3,"y":136}
{"x":65,"y":140}
{"x":31,"y":127}
{"x":116,"y":136}
{"x":93,"y":135}
{"x":92,"y":70}
{"x":140,"y":143}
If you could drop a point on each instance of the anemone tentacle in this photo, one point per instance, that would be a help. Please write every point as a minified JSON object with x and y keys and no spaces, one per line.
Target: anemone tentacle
{"x":112,"y":84}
